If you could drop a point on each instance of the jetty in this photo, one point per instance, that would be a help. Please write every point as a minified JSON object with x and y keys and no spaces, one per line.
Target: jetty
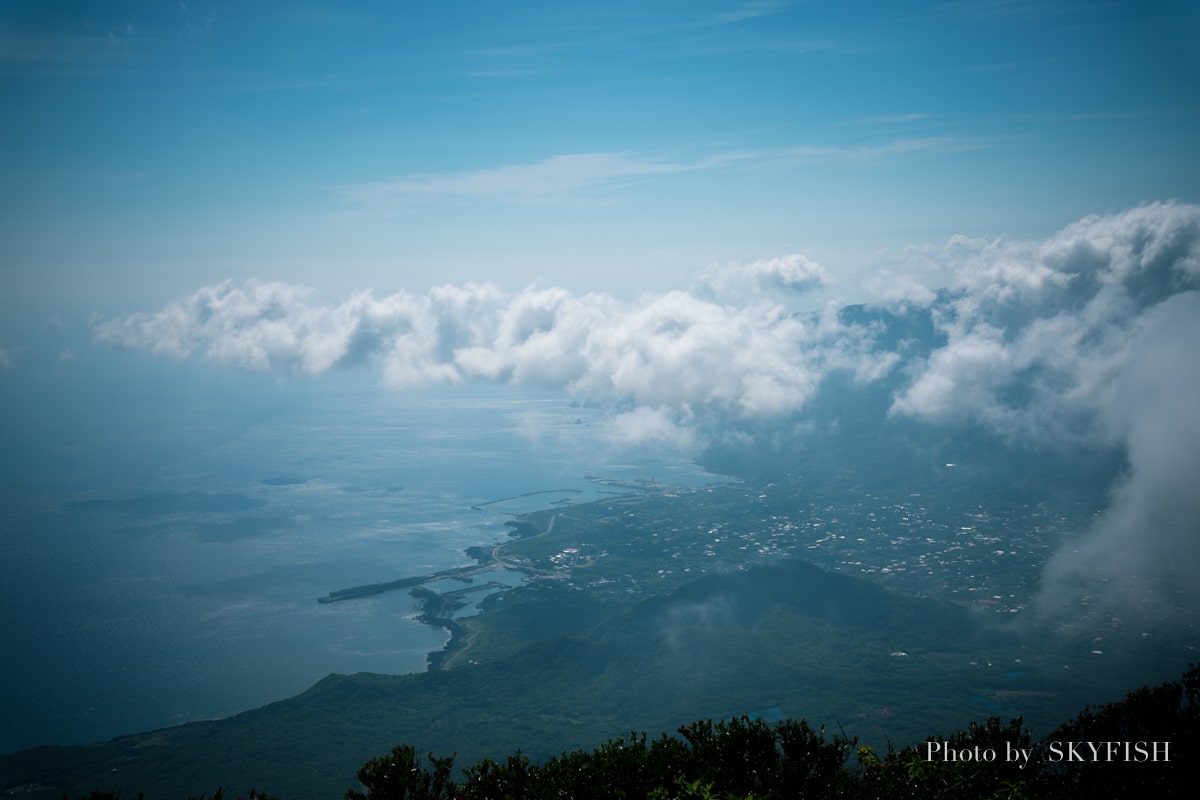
{"x":369,"y":589}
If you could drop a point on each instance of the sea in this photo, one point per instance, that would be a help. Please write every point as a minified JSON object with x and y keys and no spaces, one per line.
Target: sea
{"x":167,"y":527}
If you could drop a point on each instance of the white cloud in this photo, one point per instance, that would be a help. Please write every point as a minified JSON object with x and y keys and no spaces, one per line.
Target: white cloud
{"x":658,"y":427}
{"x":691,"y":361}
{"x":258,"y":326}
{"x":1158,"y":243}
{"x":1037,"y":332}
{"x":961,"y":379}
{"x":1090,"y":336}
{"x":889,"y":288}
{"x":793,"y":272}
{"x":1145,"y":547}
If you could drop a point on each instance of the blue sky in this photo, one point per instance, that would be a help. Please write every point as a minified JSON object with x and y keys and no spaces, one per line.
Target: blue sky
{"x":153,"y":148}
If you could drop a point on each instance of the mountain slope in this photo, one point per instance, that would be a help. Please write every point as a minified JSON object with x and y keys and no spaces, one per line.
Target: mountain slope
{"x":787,"y":639}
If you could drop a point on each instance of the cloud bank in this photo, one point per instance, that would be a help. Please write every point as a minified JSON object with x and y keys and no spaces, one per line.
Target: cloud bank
{"x":1038,"y":332}
{"x":1089,"y":336}
{"x":670,"y":358}
{"x":1140,"y":557}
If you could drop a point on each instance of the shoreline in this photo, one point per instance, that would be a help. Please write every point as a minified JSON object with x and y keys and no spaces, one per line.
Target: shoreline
{"x":486,"y":559}
{"x":458,"y":643}
{"x":437,"y":608}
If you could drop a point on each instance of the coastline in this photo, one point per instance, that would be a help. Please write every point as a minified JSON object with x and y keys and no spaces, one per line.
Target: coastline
{"x":437,"y":608}
{"x":460,"y":637}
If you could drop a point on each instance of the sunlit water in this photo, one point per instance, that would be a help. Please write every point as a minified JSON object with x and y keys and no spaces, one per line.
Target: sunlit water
{"x":164,"y":543}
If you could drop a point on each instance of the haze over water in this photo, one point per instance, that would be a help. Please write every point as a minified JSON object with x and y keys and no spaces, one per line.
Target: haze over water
{"x":165,"y":557}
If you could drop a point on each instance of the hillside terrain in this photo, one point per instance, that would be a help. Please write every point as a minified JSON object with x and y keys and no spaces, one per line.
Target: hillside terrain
{"x":785,"y":640}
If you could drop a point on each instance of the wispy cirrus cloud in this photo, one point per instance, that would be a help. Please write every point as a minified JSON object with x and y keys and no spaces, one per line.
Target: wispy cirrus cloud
{"x":580,"y":177}
{"x":928,"y":145}
{"x":553,"y":180}
{"x":745,"y":11}
{"x":895,"y":119}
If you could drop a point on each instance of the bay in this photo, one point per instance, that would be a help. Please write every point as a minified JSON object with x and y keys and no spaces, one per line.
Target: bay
{"x":163,"y":538}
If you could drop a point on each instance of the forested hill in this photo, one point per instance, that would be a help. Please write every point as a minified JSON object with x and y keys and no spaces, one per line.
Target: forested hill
{"x":786,"y":640}
{"x":1143,"y":746}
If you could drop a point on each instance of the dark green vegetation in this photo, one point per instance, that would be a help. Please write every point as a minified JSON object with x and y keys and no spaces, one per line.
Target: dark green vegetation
{"x":1145,"y":745}
{"x":784,"y":640}
{"x":750,"y":758}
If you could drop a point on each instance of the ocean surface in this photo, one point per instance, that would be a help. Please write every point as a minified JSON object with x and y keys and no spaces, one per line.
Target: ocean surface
{"x":164,"y":537}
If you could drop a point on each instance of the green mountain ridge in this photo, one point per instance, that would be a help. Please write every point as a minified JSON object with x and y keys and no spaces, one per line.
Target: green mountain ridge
{"x":787,"y":636}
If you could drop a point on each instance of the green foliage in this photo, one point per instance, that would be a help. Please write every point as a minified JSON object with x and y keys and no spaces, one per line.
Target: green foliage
{"x":923,"y":772}
{"x":400,"y":776}
{"x":749,"y":759}
{"x":1166,"y":713}
{"x":740,"y":758}
{"x":488,"y":780}
{"x":694,"y":790}
{"x":620,"y":768}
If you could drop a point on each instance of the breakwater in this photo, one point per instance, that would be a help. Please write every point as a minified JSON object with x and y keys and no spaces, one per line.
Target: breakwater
{"x":480,"y":506}
{"x":369,"y":589}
